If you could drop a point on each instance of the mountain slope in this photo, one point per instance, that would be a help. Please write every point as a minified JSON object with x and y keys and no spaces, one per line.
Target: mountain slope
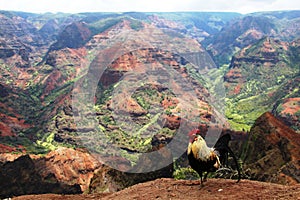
{"x":55,"y":51}
{"x":66,"y":52}
{"x":248,"y":29}
{"x":257,"y":79}
{"x":272,"y":152}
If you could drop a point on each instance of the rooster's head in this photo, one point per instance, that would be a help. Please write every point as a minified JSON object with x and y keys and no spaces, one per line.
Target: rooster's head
{"x":193,"y":134}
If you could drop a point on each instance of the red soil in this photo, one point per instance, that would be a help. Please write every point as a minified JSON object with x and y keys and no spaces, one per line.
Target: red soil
{"x":184,"y":189}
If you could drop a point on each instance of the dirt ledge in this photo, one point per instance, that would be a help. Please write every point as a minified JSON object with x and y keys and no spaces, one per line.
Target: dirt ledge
{"x":184,"y":189}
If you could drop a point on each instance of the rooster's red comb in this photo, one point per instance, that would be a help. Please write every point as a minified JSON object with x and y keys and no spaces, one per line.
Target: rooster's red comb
{"x":194,"y":132}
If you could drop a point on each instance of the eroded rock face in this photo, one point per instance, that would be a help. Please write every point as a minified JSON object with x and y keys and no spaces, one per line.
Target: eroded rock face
{"x":288,"y":108}
{"x":65,"y":171}
{"x":273,"y":151}
{"x":289,"y":112}
{"x":258,"y":58}
{"x":70,"y":171}
{"x":68,"y":166}
{"x":21,"y":177}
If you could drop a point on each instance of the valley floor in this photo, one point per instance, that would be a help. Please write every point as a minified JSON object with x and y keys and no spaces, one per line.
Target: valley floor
{"x":184,"y":189}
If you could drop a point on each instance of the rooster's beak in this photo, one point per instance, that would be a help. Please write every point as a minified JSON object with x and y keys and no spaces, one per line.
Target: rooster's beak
{"x":193,"y":138}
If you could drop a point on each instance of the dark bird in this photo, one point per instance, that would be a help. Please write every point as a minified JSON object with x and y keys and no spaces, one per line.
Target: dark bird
{"x":208,"y":159}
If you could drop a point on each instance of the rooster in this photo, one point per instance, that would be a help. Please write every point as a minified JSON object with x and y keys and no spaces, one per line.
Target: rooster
{"x":208,"y":159}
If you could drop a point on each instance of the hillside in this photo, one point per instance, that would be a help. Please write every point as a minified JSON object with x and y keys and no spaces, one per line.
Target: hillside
{"x":272,"y":151}
{"x":40,"y":76}
{"x":74,"y":43}
{"x":259,"y":76}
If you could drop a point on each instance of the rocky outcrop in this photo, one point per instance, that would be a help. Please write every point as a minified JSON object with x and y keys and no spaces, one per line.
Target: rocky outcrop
{"x":273,"y":151}
{"x":268,"y":50}
{"x":289,"y":112}
{"x":69,"y":171}
{"x":264,"y":54}
{"x":68,"y":166}
{"x":64,"y":171}
{"x":20,"y":177}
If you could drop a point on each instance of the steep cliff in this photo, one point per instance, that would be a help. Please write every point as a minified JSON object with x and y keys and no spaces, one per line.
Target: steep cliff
{"x":20,"y":177}
{"x":272,"y":152}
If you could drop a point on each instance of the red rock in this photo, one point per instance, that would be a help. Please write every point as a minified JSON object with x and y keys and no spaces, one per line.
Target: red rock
{"x":68,"y":166}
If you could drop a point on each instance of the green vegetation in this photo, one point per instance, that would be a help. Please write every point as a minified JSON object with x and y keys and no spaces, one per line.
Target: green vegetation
{"x":152,"y":121}
{"x":145,"y":97}
{"x":243,"y":113}
{"x":102,"y":25}
{"x":23,"y":141}
{"x":47,"y":142}
{"x":185,"y":173}
{"x":246,"y":107}
{"x":136,"y":24}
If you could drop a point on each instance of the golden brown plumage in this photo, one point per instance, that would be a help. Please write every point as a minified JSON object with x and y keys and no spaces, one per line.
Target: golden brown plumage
{"x":201,"y":157}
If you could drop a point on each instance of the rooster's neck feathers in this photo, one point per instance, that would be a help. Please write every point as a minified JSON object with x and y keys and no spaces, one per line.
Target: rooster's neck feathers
{"x":200,"y":149}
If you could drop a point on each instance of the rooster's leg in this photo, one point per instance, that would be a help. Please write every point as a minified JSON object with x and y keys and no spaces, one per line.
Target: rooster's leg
{"x":205,"y":177}
{"x":201,"y":180}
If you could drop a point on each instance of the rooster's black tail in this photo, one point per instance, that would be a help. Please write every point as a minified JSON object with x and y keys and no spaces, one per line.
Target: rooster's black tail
{"x":222,"y":147}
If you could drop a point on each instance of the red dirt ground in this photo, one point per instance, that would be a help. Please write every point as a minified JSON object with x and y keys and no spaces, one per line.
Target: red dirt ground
{"x":183,"y":189}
